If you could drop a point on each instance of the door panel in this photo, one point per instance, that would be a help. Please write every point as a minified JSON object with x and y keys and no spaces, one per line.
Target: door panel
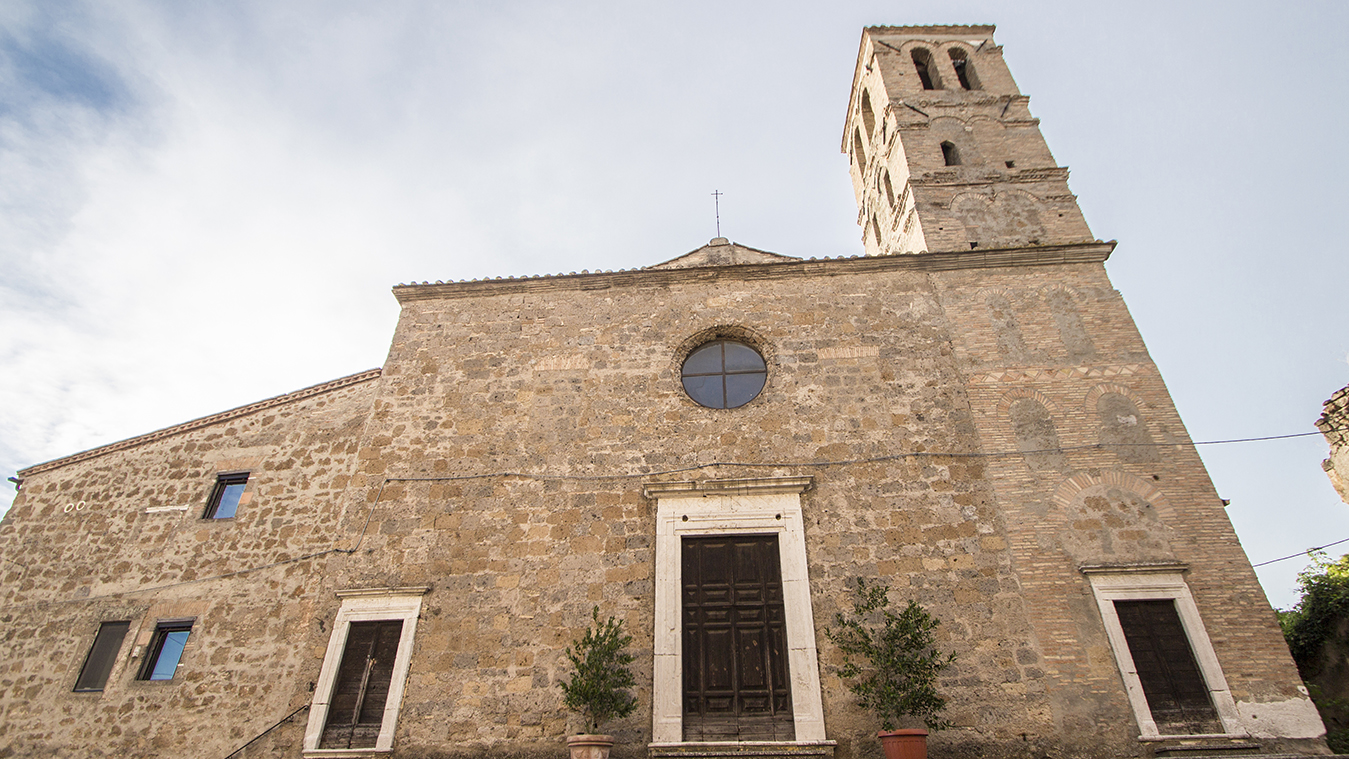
{"x":1172,"y":683}
{"x":735,"y":640}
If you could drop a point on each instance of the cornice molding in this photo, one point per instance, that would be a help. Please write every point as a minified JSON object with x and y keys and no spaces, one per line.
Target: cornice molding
{"x":745,"y":486}
{"x":410,"y":590}
{"x":982,"y":258}
{"x":1160,"y":567}
{"x":204,"y":421}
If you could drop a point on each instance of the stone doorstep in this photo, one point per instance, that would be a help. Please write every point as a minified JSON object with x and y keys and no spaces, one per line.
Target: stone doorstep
{"x":742,"y":749}
{"x":1197,"y":749}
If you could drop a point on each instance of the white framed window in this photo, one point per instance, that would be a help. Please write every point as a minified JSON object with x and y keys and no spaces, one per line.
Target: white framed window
{"x":1163,"y":652}
{"x":360,"y":687}
{"x":767,"y":506}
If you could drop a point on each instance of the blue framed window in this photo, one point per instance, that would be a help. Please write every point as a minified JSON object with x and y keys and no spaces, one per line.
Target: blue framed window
{"x":224,"y":502}
{"x":166,"y":650}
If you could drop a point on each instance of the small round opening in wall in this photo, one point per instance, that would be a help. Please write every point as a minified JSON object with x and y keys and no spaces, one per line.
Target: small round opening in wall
{"x":724,"y":374}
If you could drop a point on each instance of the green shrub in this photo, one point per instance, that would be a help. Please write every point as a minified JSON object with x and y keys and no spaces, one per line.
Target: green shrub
{"x":891,"y":660}
{"x":600,"y":674}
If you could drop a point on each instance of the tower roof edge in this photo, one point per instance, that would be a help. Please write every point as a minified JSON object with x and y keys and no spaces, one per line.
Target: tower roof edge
{"x":936,"y":29}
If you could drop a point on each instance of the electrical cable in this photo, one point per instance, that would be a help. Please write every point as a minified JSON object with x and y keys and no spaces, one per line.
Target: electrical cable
{"x":655,"y":473}
{"x":258,"y":737}
{"x":1301,"y":553}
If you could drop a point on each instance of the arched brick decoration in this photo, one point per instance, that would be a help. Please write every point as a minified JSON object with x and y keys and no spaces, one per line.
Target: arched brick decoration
{"x":1005,"y":219}
{"x":1094,"y":395}
{"x":1067,"y":314}
{"x":1069,"y":488}
{"x":1015,"y":394}
{"x":1032,"y":425}
{"x":1071,"y":292}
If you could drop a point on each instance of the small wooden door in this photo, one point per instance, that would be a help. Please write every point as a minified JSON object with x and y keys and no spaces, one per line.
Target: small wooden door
{"x":736,"y":685}
{"x":1172,"y":683}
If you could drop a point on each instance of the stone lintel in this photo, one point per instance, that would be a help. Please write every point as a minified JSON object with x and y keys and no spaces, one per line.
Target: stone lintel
{"x":411,"y":590}
{"x":745,"y":486}
{"x":1156,"y":567}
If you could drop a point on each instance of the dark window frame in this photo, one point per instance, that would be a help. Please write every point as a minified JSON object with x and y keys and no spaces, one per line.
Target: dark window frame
{"x":222,"y":483}
{"x":102,"y":657}
{"x":156,"y":649}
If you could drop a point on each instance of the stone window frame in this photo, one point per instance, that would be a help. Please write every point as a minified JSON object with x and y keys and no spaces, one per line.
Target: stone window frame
{"x":365,"y":605}
{"x":770,"y":505}
{"x":1158,"y":582}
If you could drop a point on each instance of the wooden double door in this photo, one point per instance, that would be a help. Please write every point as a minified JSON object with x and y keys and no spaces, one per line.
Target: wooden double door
{"x":736,"y":684}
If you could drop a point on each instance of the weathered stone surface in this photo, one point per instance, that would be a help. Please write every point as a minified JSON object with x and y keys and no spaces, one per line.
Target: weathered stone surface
{"x":978,"y":425}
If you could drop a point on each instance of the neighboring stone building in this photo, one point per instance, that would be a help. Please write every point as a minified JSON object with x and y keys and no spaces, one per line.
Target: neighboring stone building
{"x":710,"y":449}
{"x":1334,"y":424}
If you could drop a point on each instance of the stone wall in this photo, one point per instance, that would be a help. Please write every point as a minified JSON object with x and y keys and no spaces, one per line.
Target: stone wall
{"x":1334,"y":424}
{"x":976,"y":437}
{"x":118,"y":534}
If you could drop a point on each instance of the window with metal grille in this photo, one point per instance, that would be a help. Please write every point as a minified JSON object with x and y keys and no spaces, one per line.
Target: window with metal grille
{"x":1172,"y":683}
{"x":224,"y":501}
{"x":356,"y":708}
{"x":166,"y":650}
{"x":102,"y":655}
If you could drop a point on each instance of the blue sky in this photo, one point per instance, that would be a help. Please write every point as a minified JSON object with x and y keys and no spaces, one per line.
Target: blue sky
{"x":204,"y":205}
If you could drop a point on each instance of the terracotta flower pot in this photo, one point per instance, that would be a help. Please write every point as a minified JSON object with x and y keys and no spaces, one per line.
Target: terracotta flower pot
{"x":590,"y":746}
{"x":904,"y":744}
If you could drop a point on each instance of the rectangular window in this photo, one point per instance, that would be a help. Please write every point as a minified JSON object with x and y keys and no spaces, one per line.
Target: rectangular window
{"x":356,"y":710}
{"x":165,"y":651}
{"x":224,"y":502}
{"x":102,"y":655}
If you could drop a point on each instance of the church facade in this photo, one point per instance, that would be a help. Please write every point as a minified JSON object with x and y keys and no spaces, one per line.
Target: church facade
{"x":710,"y":449}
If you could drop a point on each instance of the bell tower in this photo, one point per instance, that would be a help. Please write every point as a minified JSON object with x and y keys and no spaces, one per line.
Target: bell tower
{"x":945,"y":155}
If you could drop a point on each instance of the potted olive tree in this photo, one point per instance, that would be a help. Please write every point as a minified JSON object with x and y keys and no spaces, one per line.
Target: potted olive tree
{"x":597,"y":688}
{"x":891,"y":662}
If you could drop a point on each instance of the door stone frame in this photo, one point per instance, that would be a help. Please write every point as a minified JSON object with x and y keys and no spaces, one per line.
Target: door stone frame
{"x":767,"y":505}
{"x":1159,"y":582}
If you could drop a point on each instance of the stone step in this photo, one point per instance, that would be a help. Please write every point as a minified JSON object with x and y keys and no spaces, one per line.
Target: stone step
{"x":1195,"y":749}
{"x":745,"y":749}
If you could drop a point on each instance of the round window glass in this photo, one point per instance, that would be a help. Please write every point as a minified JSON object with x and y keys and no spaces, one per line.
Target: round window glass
{"x":724,"y":374}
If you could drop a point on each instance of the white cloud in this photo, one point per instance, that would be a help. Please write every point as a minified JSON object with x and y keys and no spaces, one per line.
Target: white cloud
{"x":214,"y":211}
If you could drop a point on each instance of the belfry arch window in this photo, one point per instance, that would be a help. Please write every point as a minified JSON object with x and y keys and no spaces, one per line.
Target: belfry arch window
{"x":889,"y":189}
{"x":859,"y":151}
{"x":964,"y":69}
{"x":949,"y":154}
{"x":868,"y":115}
{"x":927,"y":73}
